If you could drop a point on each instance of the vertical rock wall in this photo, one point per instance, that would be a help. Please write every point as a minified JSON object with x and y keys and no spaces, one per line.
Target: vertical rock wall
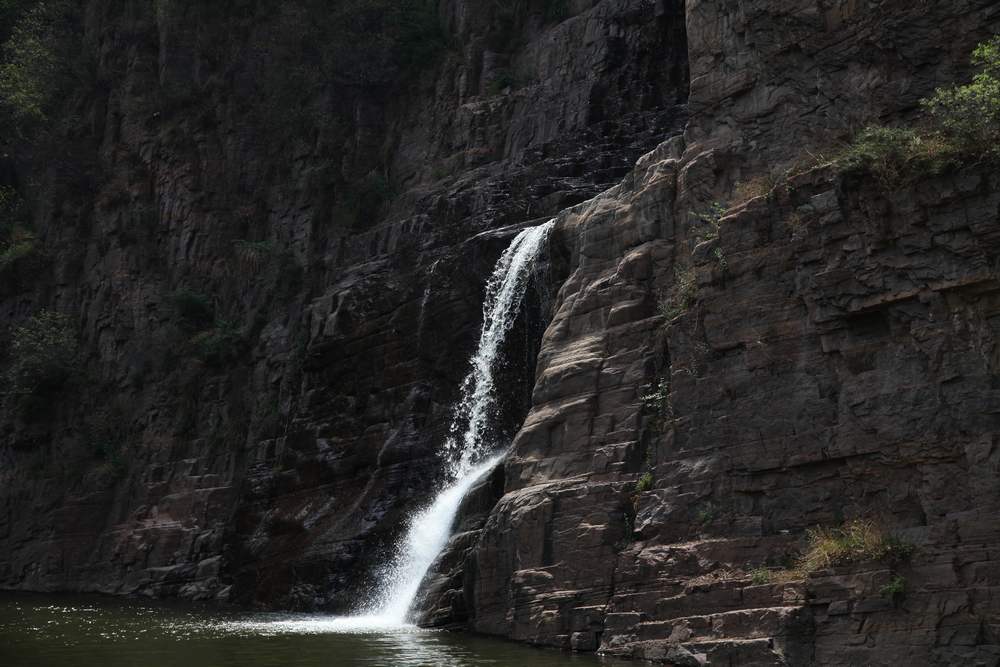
{"x":837,"y":358}
{"x":340,"y":235}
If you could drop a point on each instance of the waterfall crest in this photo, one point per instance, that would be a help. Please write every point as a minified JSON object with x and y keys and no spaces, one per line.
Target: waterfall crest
{"x":470,"y":453}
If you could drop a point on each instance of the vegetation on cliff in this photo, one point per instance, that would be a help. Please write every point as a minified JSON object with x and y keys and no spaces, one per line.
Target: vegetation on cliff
{"x":43,"y":354}
{"x":962,"y":125}
{"x":39,"y":59}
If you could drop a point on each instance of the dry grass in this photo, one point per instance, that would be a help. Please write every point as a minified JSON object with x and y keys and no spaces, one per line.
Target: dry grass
{"x":856,"y":541}
{"x":759,"y":186}
{"x":898,"y":156}
{"x":763,"y":575}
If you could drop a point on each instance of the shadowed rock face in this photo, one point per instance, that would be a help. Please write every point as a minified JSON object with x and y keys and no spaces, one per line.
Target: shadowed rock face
{"x":837,"y":358}
{"x":345,"y":234}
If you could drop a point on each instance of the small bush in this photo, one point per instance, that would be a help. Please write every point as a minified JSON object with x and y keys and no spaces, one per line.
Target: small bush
{"x":681,"y":296}
{"x":895,"y":590}
{"x":712,"y":218}
{"x":856,"y":541}
{"x":897,"y":155}
{"x":720,"y":257}
{"x":705,"y":513}
{"x":645,"y":483}
{"x":219,"y":345}
{"x":760,"y":576}
{"x":760,"y":186}
{"x":19,"y":251}
{"x":43,"y":354}
{"x":657,"y":402}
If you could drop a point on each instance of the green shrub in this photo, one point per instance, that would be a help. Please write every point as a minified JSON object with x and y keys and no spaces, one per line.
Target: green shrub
{"x":657,"y":402}
{"x":895,"y":590}
{"x":970,"y":114}
{"x":857,"y":540}
{"x":19,"y":251}
{"x":645,"y":483}
{"x":706,"y":513}
{"x":43,"y":354}
{"x":219,"y":345}
{"x":720,"y":257}
{"x":760,"y":576}
{"x":964,"y":124}
{"x":712,"y":219}
{"x":38,"y":58}
{"x":681,"y":296}
{"x":194,"y":309}
{"x":897,"y":155}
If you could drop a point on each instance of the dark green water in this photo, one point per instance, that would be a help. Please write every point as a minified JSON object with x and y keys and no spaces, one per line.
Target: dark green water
{"x":70,"y":631}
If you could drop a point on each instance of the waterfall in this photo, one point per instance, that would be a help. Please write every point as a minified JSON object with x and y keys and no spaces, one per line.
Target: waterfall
{"x":471,"y":455}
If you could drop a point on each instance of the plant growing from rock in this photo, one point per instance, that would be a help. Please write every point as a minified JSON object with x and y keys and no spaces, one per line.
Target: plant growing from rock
{"x":720,"y":257}
{"x":759,"y":186}
{"x":645,"y":482}
{"x":964,"y":123}
{"x":681,"y":296}
{"x":894,"y":590}
{"x":657,"y":402}
{"x":969,"y":115}
{"x":897,"y":155}
{"x":43,"y":354}
{"x":706,"y":513}
{"x":856,"y":541}
{"x":220,"y":344}
{"x":711,"y":218}
{"x":36,"y":63}
{"x":18,"y":245}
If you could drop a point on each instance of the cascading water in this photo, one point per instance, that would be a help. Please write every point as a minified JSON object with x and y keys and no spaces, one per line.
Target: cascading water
{"x":471,"y":454}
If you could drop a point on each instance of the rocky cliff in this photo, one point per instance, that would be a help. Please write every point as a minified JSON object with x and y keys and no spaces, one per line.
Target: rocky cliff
{"x":273,"y":314}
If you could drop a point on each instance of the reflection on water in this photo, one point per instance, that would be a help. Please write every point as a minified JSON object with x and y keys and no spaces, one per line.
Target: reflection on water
{"x":46,"y":631}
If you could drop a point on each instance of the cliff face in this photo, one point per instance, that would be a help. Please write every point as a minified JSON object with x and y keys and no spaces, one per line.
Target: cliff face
{"x":332,"y":238}
{"x":835,"y":358}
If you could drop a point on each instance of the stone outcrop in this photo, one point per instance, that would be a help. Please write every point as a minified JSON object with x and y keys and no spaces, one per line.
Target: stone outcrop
{"x":833,"y":355}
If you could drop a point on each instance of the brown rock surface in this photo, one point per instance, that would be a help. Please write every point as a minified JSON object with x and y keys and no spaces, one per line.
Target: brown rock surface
{"x":838,"y":358}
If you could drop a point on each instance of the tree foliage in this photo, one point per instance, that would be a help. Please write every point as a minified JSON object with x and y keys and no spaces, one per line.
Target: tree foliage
{"x":43,"y":354}
{"x":38,"y":56}
{"x":970,"y":114}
